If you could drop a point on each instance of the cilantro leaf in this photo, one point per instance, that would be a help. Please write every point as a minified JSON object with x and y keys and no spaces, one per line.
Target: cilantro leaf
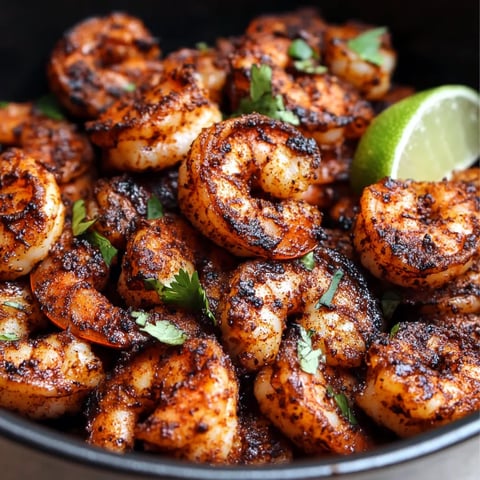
{"x":326,"y":299}
{"x":184,"y":291}
{"x":308,"y":357}
{"x":9,"y":337}
{"x":308,"y":261}
{"x":300,"y":49}
{"x":79,"y":225}
{"x":15,"y":305}
{"x":342,"y":403}
{"x":394,"y":330}
{"x":309,"y":66}
{"x":48,"y":105}
{"x":154,"y":208}
{"x":163,"y":330}
{"x":367,"y":45}
{"x":107,"y":250}
{"x":261,"y":99}
{"x":130,"y":87}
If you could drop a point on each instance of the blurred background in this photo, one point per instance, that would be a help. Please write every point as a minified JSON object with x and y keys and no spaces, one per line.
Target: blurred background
{"x":438,"y":42}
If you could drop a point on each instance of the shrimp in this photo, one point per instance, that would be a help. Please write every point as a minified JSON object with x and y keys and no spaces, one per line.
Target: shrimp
{"x":302,"y":406}
{"x":230,"y":161}
{"x":20,"y":314}
{"x":31,"y":213}
{"x":67,"y":285}
{"x":420,"y":377}
{"x":177,"y":399}
{"x":56,"y":144}
{"x":154,"y":129}
{"x":373,"y":80}
{"x":48,"y":376}
{"x":263,"y":294}
{"x":100,"y":60}
{"x":417,"y":234}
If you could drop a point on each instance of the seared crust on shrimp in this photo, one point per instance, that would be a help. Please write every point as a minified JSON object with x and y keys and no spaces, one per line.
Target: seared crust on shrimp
{"x":417,"y":233}
{"x":98,"y":60}
{"x":49,"y":376}
{"x":421,"y":377}
{"x":263,"y":294}
{"x":154,"y":129}
{"x":301,"y":406}
{"x":236,"y":157}
{"x":31,"y":213}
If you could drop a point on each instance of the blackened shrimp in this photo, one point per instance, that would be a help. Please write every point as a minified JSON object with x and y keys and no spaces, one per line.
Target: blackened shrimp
{"x":303,"y":406}
{"x":57,"y":144}
{"x":417,"y":234}
{"x":100,"y":60}
{"x":154,"y":129}
{"x":68,"y":285}
{"x":31,"y":213}
{"x":420,"y":377}
{"x":48,"y":376}
{"x":263,"y":294}
{"x":177,"y":399}
{"x":372,"y":79}
{"x":20,"y":314}
{"x":233,"y":160}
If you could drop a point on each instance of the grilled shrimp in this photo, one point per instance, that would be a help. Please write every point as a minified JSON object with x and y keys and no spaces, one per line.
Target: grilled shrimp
{"x":302,"y":405}
{"x":20,"y":314}
{"x":31,"y":213}
{"x":417,"y":234}
{"x":177,"y":399}
{"x":48,"y":376}
{"x":154,"y":129}
{"x":372,"y":79}
{"x":56,"y":144}
{"x":68,"y":286}
{"x":100,"y":60}
{"x":263,"y":294}
{"x":420,"y":377}
{"x":232,"y":160}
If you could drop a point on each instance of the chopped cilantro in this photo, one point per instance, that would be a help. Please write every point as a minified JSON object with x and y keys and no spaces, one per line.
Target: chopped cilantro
{"x":308,"y":261}
{"x":15,"y":305}
{"x":130,"y":87}
{"x":8,"y":337}
{"x":394,"y":330}
{"x":79,"y":225}
{"x":163,"y":330}
{"x":154,"y":208}
{"x":300,"y":50}
{"x":308,"y":66}
{"x":367,"y":45}
{"x":308,"y":357}
{"x":326,"y":299}
{"x":342,"y":403}
{"x":107,"y":250}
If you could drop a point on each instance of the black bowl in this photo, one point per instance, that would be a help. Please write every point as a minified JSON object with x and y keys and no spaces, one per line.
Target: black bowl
{"x":437,"y":44}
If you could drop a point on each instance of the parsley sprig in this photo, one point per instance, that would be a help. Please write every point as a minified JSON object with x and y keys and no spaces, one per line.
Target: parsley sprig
{"x":367,"y":45}
{"x":308,"y":357}
{"x":262,"y":100}
{"x":342,"y":403}
{"x":184,"y":291}
{"x":163,"y":330}
{"x":81,"y":226}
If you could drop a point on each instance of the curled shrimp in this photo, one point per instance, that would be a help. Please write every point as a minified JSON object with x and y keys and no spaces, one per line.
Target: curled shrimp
{"x":420,"y":377}
{"x":20,"y":314}
{"x":154,"y":129}
{"x":302,"y":406}
{"x":48,"y":376}
{"x":186,"y":395}
{"x":263,"y":294}
{"x":230,"y":161}
{"x":417,"y":234}
{"x":31,"y":212}
{"x":56,"y":144}
{"x":68,"y":286}
{"x":99,"y":60}
{"x":372,"y":79}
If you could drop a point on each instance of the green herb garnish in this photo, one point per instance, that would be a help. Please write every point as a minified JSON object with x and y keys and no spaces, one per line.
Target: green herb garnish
{"x":9,"y":337}
{"x":15,"y":305}
{"x":342,"y":403}
{"x":48,"y":105}
{"x":300,"y":50}
{"x":154,"y":208}
{"x":202,"y":46}
{"x":80,"y":227}
{"x":261,"y":99}
{"x":394,"y":330}
{"x":389,"y":302}
{"x":163,"y":330}
{"x":308,"y":261}
{"x":367,"y":45}
{"x":185,"y":291}
{"x":130,"y":87}
{"x":306,"y":59}
{"x":326,"y":299}
{"x":308,"y":357}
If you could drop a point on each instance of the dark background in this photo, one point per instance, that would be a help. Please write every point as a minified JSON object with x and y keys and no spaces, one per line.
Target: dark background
{"x":437,"y":41}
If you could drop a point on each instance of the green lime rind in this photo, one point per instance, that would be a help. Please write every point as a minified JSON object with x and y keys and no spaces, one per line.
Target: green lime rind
{"x":376,"y":151}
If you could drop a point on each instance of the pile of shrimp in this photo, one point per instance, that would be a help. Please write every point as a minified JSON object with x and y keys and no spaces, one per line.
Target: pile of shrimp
{"x":331,"y":322}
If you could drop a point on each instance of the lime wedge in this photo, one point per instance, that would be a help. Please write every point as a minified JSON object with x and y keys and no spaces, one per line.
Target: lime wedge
{"x":424,"y":137}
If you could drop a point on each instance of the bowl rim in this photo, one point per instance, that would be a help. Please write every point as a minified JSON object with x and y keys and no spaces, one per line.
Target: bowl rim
{"x":54,"y":443}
